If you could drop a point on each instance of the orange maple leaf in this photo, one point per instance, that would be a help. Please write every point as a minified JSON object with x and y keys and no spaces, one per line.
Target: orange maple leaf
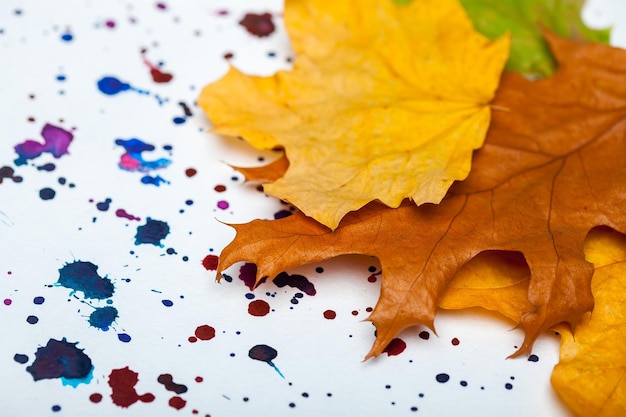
{"x":550,"y":170}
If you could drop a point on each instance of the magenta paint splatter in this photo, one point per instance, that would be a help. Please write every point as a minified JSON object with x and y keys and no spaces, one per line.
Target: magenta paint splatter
{"x":161,"y":6}
{"x":124,"y":214}
{"x":60,"y":359}
{"x":83,"y":276}
{"x":168,"y":381}
{"x":152,"y":232}
{"x":56,"y":142}
{"x":7,"y":301}
{"x":222,"y":204}
{"x":9,"y":173}
{"x":110,"y":23}
{"x":260,"y":25}
{"x":296,"y":281}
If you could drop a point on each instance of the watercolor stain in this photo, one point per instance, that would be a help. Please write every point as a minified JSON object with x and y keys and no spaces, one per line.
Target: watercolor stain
{"x":83,"y":276}
{"x":60,"y":359}
{"x":265,"y":353}
{"x":122,"y":382}
{"x":152,"y":232}
{"x":56,"y":142}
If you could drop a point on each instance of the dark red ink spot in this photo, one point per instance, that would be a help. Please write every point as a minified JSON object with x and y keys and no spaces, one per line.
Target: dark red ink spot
{"x":158,"y":76}
{"x":210,"y":262}
{"x":190,"y":172}
{"x":355,"y":313}
{"x":177,"y":402}
{"x":192,"y":339}
{"x":247,"y":273}
{"x":199,"y":379}
{"x":455,"y":342}
{"x":8,"y":172}
{"x":228,"y":55}
{"x":330,"y":314}
{"x":95,"y":397}
{"x":122,"y":382}
{"x":220,"y":188}
{"x":424,"y":335}
{"x":168,"y":381}
{"x":205,"y":332}
{"x":395,"y":347}
{"x":258,"y":308}
{"x":260,"y":25}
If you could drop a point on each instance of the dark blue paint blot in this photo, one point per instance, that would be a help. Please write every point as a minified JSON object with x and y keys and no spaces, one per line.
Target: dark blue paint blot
{"x":67,"y":37}
{"x":56,"y":408}
{"x":38,"y":300}
{"x":20,"y":358}
{"x":158,"y":180}
{"x":265,"y":353}
{"x":112,"y":86}
{"x":61,"y":77}
{"x":60,"y":359}
{"x":179,"y":120}
{"x":49,"y":167}
{"x":103,"y":317}
{"x":47,"y":193}
{"x":32,"y":319}
{"x":167,"y":303}
{"x":83,"y":276}
{"x":297,"y":281}
{"x":152,"y":232}
{"x":104,"y":205}
{"x":123,"y":337}
{"x":282,"y":214}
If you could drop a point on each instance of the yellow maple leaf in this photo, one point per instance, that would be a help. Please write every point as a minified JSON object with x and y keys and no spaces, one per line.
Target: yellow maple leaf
{"x":385,"y":102}
{"x":591,"y":374}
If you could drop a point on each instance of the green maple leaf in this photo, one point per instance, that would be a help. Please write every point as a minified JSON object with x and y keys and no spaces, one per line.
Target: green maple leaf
{"x":524,"y":19}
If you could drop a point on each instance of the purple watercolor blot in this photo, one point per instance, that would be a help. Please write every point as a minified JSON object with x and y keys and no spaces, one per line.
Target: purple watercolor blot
{"x":56,"y":142}
{"x":60,"y":359}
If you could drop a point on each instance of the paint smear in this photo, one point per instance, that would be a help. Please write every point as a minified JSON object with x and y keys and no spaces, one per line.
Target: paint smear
{"x":265,"y":353}
{"x":60,"y":359}
{"x":296,"y":281}
{"x":168,"y":381}
{"x":56,"y":142}
{"x":260,"y":25}
{"x":152,"y":232}
{"x":158,"y":76}
{"x":83,"y":276}
{"x":102,"y":318}
{"x":122,"y":382}
{"x":9,"y":173}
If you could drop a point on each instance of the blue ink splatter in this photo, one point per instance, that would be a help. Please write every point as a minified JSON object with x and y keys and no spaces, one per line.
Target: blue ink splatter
{"x":60,"y":359}
{"x":104,"y":205}
{"x":152,"y":232}
{"x":103,"y":317}
{"x":75,"y":382}
{"x":158,"y":180}
{"x":67,"y":37}
{"x":179,"y":120}
{"x":112,"y":86}
{"x":123,"y":337}
{"x":20,"y":358}
{"x":167,"y":303}
{"x":82,"y":276}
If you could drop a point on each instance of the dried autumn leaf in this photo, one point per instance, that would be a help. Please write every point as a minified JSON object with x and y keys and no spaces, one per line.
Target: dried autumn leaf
{"x":551,"y":169}
{"x":590,"y":376}
{"x":384,"y":102}
{"x":530,"y":54}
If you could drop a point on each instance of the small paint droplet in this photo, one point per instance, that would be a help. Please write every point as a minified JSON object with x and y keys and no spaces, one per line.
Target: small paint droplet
{"x":167,"y":303}
{"x":258,"y":308}
{"x":205,"y":332}
{"x":47,"y":193}
{"x":220,"y":188}
{"x":177,"y":402}
{"x":455,"y":342}
{"x":330,"y":314}
{"x":442,"y":378}
{"x":123,"y":337}
{"x":533,"y":358}
{"x":210,"y":262}
{"x":19,"y":358}
{"x":56,"y":408}
{"x":38,"y":300}
{"x":508,"y":386}
{"x":260,"y":25}
{"x":190,"y":172}
{"x":32,"y":319}
{"x":395,"y":347}
{"x":179,"y":120}
{"x":95,"y":398}
{"x":424,"y":335}
{"x":223,"y":204}
{"x":7,"y":302}
{"x":67,"y":37}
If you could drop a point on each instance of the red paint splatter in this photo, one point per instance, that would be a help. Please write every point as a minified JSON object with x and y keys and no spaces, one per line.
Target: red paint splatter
{"x":168,"y":381}
{"x":424,"y":335}
{"x":228,"y":55}
{"x":210,"y":262}
{"x":330,"y":314}
{"x":95,"y":397}
{"x":192,"y":339}
{"x":220,"y":188}
{"x":455,"y":342}
{"x":260,"y":25}
{"x":190,"y":172}
{"x":372,"y":278}
{"x":177,"y":402}
{"x":258,"y":308}
{"x":158,"y":76}
{"x":355,"y":313}
{"x":124,"y":214}
{"x":205,"y":332}
{"x":395,"y":347}
{"x":199,"y":379}
{"x":122,"y":382}
{"x":369,"y":309}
